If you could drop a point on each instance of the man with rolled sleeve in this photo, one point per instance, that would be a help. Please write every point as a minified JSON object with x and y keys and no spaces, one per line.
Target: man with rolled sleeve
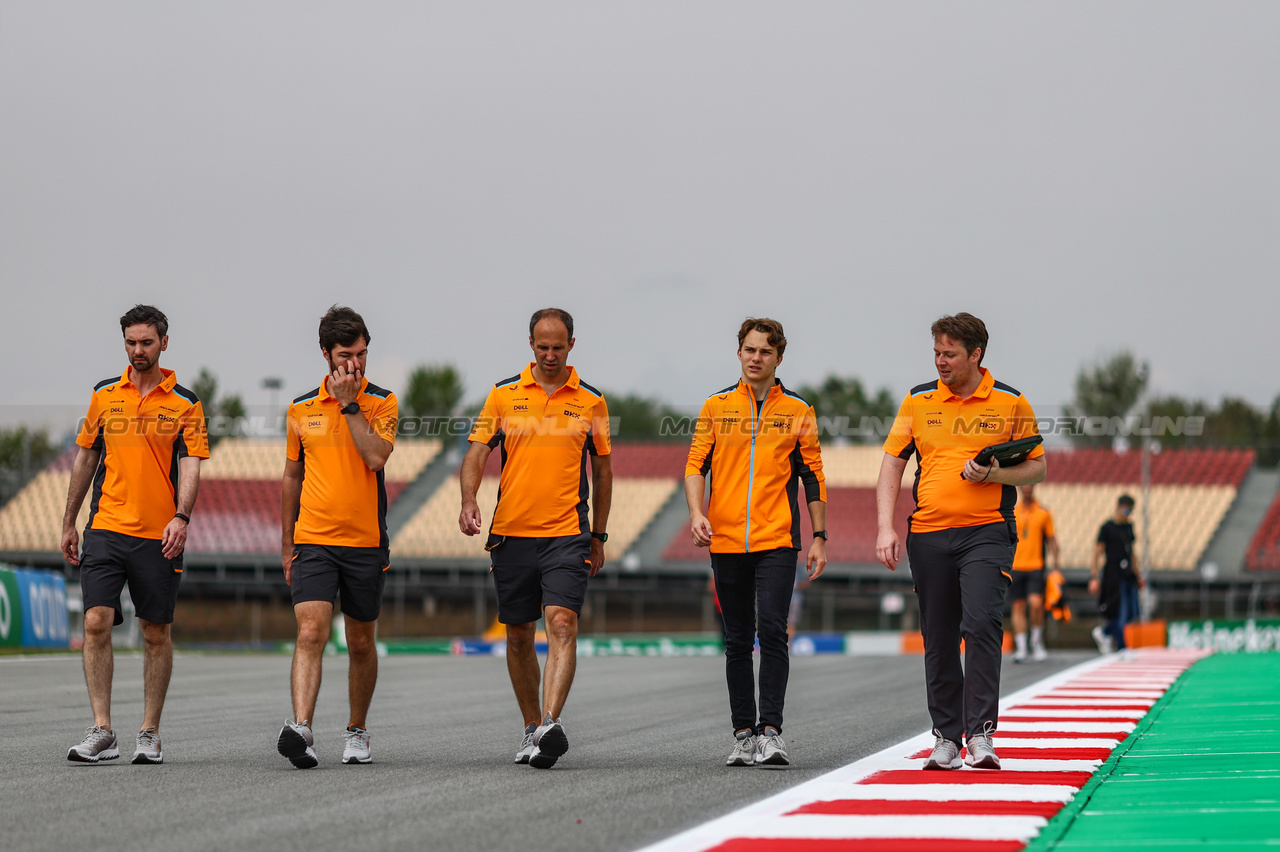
{"x":962,"y":535}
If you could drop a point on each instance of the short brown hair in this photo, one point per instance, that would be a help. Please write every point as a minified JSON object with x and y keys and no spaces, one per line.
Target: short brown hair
{"x":771,"y":327}
{"x":145,"y":315}
{"x":964,"y":327}
{"x":552,"y":313}
{"x":341,"y":327}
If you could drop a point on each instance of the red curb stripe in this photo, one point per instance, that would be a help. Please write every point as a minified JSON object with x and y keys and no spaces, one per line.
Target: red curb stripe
{"x":1038,"y":706}
{"x":918,"y":807}
{"x":976,"y":776}
{"x":904,"y":844}
{"x":1062,"y":720}
{"x":1067,"y":735}
{"x":1038,"y":753}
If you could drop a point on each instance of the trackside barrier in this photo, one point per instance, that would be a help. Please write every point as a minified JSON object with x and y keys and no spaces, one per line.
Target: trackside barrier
{"x":33,"y":609}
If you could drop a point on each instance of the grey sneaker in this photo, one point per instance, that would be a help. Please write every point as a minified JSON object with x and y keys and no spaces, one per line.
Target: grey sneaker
{"x":148,"y":750}
{"x":982,"y":754}
{"x":526,"y":744}
{"x":946,"y":754}
{"x":744,"y":749}
{"x":1104,"y":642}
{"x":296,"y":744}
{"x":770,"y":749}
{"x":549,"y":743}
{"x":357,"y":747}
{"x":99,"y":744}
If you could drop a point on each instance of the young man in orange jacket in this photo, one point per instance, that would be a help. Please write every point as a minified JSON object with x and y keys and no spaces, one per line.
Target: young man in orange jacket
{"x":757,"y":441}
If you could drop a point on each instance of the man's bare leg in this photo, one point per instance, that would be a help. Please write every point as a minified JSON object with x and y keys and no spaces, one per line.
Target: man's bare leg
{"x":157,"y":666}
{"x":562,"y":657}
{"x":313,"y":633}
{"x":362,"y":676}
{"x":522,"y":665}
{"x":99,"y":662}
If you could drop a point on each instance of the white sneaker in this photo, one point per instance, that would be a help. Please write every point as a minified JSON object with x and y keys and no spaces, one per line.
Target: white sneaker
{"x":98,"y":744}
{"x":744,"y":749}
{"x":1038,"y":653}
{"x":148,"y":750}
{"x":1104,"y":642}
{"x":946,"y":754}
{"x":549,"y":743}
{"x":296,"y":743}
{"x":357,"y":747}
{"x":981,"y":753}
{"x":1020,"y":655}
{"x":526,"y":744}
{"x":770,"y":749}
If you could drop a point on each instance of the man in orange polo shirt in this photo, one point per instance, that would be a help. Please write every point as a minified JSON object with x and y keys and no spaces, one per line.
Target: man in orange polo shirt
{"x":334,"y":526}
{"x":547,"y":422}
{"x":758,"y":442}
{"x":140,"y":446}
{"x":1035,"y":539}
{"x":961,"y":536}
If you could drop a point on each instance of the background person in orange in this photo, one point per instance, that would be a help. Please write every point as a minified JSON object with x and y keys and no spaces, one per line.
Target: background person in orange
{"x":140,"y":445}
{"x":962,"y":535}
{"x":334,"y":527}
{"x":547,"y":422}
{"x":1026,"y":591}
{"x":756,"y":440}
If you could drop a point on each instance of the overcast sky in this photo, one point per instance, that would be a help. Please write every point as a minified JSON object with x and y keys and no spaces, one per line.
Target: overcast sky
{"x":1084,"y":176}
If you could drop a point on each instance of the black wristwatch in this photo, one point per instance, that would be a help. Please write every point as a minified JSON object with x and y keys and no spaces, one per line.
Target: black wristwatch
{"x":822,"y":534}
{"x":351,"y":408}
{"x":600,"y":536}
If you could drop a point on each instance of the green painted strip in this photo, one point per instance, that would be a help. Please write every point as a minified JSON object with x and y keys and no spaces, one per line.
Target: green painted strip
{"x":1201,"y":769}
{"x":1064,"y":819}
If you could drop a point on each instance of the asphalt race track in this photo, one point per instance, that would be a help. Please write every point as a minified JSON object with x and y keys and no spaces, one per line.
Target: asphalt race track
{"x":647,"y":742}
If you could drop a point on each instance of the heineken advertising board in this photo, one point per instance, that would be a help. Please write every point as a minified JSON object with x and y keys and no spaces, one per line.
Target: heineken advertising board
{"x":1252,"y":636}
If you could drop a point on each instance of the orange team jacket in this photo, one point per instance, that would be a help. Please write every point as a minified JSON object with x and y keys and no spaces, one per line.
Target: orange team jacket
{"x":756,"y":457}
{"x":1035,"y":526}
{"x":545,"y":441}
{"x":943,"y":432}
{"x":141,"y":440}
{"x":343,"y":503}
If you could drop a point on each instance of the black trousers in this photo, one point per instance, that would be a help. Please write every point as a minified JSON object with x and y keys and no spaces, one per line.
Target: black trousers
{"x":961,"y":576}
{"x":755,"y":590}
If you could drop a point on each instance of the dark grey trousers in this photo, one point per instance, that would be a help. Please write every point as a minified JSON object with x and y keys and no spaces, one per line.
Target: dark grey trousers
{"x":961,"y":576}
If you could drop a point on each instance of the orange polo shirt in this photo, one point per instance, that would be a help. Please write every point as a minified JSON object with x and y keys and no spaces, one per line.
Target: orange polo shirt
{"x":343,"y":504}
{"x":1035,"y":525}
{"x":944,"y":431}
{"x":545,"y":442}
{"x":756,"y":456}
{"x":141,"y":440}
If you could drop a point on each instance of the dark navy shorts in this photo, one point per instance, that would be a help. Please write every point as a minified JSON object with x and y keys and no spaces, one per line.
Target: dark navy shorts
{"x":1026,"y":583}
{"x":109,"y":559}
{"x":530,"y":573}
{"x":321,"y":572}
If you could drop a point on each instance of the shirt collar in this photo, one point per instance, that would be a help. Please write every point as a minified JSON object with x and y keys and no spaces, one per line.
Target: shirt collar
{"x":166,"y":384}
{"x":324,"y":387}
{"x":526,"y":377}
{"x":983,"y":390}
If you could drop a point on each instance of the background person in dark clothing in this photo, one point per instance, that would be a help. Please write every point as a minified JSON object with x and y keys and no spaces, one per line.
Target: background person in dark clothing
{"x":1114,"y":555}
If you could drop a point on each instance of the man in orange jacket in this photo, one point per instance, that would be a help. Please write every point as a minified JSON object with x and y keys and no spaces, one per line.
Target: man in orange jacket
{"x":757,"y":440}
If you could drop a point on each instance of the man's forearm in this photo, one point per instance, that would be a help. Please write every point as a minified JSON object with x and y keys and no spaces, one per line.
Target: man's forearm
{"x":601,"y":499}
{"x":373,"y":448}
{"x":695,"y":487}
{"x":818,"y":515}
{"x":81,"y":476}
{"x":291,"y":500}
{"x":1030,"y":472}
